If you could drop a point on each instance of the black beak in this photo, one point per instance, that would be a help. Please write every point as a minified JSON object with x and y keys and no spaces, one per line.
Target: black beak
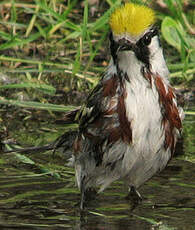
{"x":126,"y":47}
{"x":120,"y":46}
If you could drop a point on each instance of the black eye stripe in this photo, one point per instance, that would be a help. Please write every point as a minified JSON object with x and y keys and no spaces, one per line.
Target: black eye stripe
{"x":153,"y":32}
{"x":146,"y":39}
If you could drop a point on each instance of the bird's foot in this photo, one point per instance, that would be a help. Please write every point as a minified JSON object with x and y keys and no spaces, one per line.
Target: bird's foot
{"x":134,"y":196}
{"x":87,"y":196}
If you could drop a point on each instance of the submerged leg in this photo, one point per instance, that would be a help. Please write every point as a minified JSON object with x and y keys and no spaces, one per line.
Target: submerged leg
{"x":83,"y":194}
{"x":134,"y":196}
{"x":86,"y":194}
{"x":82,"y":200}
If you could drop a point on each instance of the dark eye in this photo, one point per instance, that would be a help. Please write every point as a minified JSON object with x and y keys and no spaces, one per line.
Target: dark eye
{"x":146,"y":40}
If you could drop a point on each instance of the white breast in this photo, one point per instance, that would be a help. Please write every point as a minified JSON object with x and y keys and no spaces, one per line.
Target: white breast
{"x":146,"y":154}
{"x":144,"y":113}
{"x":142,"y":102}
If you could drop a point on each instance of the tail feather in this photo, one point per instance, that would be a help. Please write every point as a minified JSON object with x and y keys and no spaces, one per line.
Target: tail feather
{"x":65,"y":142}
{"x":33,"y":149}
{"x":69,"y":117}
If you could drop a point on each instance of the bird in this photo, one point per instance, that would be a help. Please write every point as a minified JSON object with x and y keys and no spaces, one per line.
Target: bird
{"x":130,"y":122}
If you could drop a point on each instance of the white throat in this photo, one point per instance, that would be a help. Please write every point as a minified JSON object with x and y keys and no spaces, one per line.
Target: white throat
{"x":129,"y":63}
{"x":157,"y":61}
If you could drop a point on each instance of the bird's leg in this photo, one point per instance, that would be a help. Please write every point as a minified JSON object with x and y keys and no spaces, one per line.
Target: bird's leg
{"x":82,"y":200}
{"x":134,"y":196}
{"x":87,"y":195}
{"x":83,"y":194}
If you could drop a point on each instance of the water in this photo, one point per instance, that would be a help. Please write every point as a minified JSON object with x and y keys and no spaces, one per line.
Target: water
{"x":41,"y":194}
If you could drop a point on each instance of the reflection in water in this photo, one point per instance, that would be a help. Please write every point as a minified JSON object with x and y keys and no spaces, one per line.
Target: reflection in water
{"x":33,"y":198}
{"x":47,"y":203}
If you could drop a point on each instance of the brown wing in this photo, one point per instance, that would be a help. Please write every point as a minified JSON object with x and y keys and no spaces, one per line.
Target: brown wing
{"x":69,"y":117}
{"x":102,"y":120}
{"x":171,"y":117}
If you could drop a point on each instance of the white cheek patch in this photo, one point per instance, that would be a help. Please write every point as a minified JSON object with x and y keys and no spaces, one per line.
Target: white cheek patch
{"x":157,"y":61}
{"x":154,"y":45}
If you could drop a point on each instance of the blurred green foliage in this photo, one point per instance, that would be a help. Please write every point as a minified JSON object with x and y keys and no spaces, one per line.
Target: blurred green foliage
{"x":52,"y":45}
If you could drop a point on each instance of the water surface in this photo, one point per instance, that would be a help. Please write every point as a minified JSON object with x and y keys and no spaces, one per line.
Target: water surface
{"x":41,"y":194}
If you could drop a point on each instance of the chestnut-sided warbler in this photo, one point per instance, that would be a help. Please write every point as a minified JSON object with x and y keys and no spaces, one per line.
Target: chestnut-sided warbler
{"x":129,"y":124}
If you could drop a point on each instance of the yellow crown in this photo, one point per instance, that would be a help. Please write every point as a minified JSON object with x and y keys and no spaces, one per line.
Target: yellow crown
{"x":132,"y":19}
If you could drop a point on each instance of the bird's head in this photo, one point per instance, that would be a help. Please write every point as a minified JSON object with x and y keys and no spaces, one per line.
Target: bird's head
{"x":133,"y":30}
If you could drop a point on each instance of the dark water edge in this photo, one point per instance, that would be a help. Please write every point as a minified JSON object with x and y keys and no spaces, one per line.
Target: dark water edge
{"x":34,"y":198}
{"x":43,"y":202}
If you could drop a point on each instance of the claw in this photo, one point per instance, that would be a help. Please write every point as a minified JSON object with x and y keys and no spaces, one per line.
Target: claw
{"x":86,"y":195}
{"x":134,"y":196}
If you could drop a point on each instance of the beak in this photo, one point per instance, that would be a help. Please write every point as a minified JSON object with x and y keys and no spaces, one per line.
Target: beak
{"x":124,"y":46}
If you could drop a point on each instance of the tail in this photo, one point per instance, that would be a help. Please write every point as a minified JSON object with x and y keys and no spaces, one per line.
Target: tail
{"x":69,"y":117}
{"x":65,"y":141}
{"x":33,"y":149}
